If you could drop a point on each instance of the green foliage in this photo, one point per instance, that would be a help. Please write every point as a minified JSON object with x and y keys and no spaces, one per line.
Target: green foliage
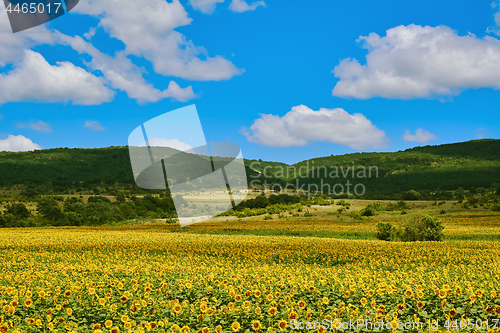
{"x":422,"y":228}
{"x":18,"y":211}
{"x":495,"y":208}
{"x":384,"y":231}
{"x":371,"y":209}
{"x":400,"y":205}
{"x":425,"y":173}
{"x":411,"y":195}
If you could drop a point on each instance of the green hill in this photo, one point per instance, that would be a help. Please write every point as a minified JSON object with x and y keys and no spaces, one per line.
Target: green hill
{"x":424,"y":169}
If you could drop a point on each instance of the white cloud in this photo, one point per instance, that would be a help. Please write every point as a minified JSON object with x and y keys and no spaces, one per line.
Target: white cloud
{"x":205,"y":6}
{"x":495,"y":28}
{"x":481,"y":132}
{"x":94,"y":125}
{"x":417,"y":62}
{"x":39,"y":126}
{"x":420,"y":135}
{"x":34,"y":79}
{"x":147,"y":30}
{"x":124,"y":75}
{"x":17,"y":143}
{"x":240,"y":6}
{"x":301,"y":125}
{"x":13,"y":45}
{"x":172,"y":143}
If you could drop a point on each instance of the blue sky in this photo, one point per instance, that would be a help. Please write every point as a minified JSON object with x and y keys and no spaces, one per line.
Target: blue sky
{"x":286,"y":81}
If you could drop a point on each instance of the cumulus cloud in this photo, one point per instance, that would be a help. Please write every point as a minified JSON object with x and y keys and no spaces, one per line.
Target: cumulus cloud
{"x":13,"y":45}
{"x":17,"y":143}
{"x":302,"y":125}
{"x":94,"y":125}
{"x":420,"y":135}
{"x":237,"y":6}
{"x":172,"y":143}
{"x":147,"y":30}
{"x":39,"y":126}
{"x":495,"y":28}
{"x":418,"y":62}
{"x":34,"y":79}
{"x":205,"y":6}
{"x":240,"y":6}
{"x":122,"y":74}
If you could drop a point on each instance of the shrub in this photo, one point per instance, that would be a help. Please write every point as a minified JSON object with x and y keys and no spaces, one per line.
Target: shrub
{"x":384,"y":231}
{"x":495,"y":208}
{"x":411,"y":195}
{"x":422,"y":228}
{"x":18,"y":210}
{"x":371,"y":209}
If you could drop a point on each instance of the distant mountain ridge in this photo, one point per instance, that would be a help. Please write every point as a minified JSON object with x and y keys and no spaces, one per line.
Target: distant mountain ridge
{"x":429,"y":168}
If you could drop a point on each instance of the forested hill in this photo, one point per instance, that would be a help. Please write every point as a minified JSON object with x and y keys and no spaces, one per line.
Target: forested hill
{"x":430,"y":168}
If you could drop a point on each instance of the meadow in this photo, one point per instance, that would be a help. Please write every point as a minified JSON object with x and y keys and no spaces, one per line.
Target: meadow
{"x":251,"y":275}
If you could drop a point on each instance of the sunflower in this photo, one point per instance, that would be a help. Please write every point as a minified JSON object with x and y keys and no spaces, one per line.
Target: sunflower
{"x":96,"y":326}
{"x":185,"y":329}
{"x":177,"y":309}
{"x":282,"y":325}
{"x":452,"y":312}
{"x":420,"y":305}
{"x":363,"y":301}
{"x":67,"y":293}
{"x":115,"y":330}
{"x":258,"y":310}
{"x":235,"y":326}
{"x":28,"y":303}
{"x":272,"y":311}
{"x":102,"y":301}
{"x":108,"y":323}
{"x":293,"y":315}
{"x":301,"y":304}
{"x":256,"y":325}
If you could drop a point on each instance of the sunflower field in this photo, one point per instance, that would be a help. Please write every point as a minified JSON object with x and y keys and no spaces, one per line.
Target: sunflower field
{"x":153,"y":279}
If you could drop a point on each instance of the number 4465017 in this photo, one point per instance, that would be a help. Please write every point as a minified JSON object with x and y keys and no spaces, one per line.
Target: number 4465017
{"x":34,"y":8}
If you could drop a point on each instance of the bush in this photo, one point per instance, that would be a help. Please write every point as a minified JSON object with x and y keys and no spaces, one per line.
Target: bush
{"x":422,"y":228}
{"x":384,"y":231}
{"x":18,"y":210}
{"x":495,"y":208}
{"x":371,"y":209}
{"x":411,"y":195}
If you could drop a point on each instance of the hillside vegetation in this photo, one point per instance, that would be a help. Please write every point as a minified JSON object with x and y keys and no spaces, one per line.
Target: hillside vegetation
{"x":429,"y":169}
